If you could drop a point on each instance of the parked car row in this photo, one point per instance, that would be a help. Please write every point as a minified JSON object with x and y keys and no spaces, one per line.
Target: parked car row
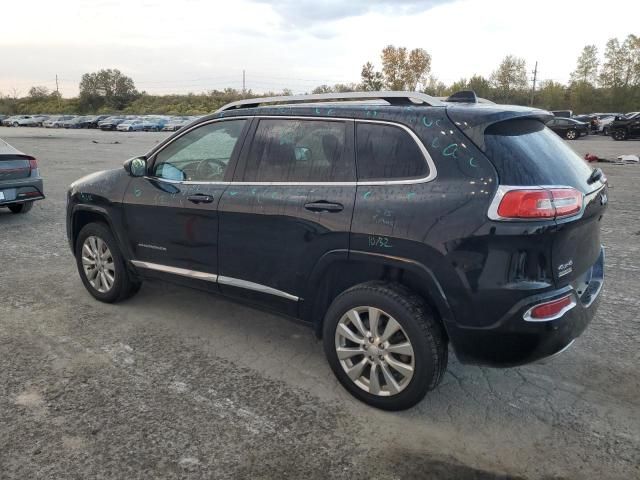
{"x":123,"y":123}
{"x":571,"y":127}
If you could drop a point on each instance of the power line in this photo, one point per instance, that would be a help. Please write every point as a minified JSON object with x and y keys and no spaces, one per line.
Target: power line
{"x":535,"y":77}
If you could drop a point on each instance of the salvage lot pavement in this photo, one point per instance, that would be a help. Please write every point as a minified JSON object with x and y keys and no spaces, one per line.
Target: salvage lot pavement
{"x":177,"y":383}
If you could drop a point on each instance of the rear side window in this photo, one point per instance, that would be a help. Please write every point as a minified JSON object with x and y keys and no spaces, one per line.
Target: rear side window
{"x":286,"y":150}
{"x":526,"y":153}
{"x":387,"y":152}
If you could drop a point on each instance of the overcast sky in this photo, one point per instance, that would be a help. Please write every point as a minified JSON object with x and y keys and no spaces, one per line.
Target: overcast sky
{"x":180,"y":46}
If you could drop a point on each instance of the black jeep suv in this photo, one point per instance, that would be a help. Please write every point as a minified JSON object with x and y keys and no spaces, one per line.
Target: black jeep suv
{"x":394,"y":223}
{"x":625,"y":127}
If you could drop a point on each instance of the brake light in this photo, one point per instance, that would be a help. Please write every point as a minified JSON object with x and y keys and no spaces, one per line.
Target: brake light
{"x":550,"y":310}
{"x":540,"y":203}
{"x":33,"y":164}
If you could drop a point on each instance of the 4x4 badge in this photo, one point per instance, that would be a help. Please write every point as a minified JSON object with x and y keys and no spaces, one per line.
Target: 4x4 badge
{"x":565,"y":268}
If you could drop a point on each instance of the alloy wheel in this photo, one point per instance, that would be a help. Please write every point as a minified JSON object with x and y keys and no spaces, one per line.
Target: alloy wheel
{"x":98,"y":265}
{"x":374,"y":351}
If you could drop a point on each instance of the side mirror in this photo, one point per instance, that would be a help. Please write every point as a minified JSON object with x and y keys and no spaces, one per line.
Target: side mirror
{"x":136,"y":167}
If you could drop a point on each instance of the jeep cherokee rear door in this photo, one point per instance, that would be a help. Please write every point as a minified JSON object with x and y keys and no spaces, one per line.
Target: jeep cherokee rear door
{"x":290,"y":203}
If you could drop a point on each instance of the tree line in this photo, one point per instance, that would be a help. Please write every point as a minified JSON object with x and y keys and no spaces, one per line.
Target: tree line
{"x":610,"y":83}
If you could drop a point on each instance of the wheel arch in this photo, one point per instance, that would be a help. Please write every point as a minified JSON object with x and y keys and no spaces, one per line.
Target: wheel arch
{"x":83,"y":215}
{"x":338,"y":270}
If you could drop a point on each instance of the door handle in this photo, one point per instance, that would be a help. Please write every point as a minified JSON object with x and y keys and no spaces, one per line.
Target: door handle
{"x":324,"y":206}
{"x":200,"y":198}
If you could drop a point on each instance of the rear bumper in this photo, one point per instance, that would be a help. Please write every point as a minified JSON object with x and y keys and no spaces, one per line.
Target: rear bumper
{"x":23,"y":190}
{"x":515,"y":341}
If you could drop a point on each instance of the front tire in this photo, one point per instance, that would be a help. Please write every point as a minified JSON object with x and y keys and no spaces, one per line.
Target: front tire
{"x":384,"y":345}
{"x":21,"y":207}
{"x":101,"y":265}
{"x":571,"y":134}
{"x":619,"y":134}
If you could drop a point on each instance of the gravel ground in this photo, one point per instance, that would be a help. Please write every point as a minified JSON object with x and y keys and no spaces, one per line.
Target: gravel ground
{"x":180,"y":384}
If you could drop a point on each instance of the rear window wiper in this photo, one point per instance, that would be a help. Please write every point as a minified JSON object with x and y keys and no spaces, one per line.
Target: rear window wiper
{"x":595,"y":176}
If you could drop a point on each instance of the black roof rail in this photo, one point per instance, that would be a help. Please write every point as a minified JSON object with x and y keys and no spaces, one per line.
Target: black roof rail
{"x":393,"y":98}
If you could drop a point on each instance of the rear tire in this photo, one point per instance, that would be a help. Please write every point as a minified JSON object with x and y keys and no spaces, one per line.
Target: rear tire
{"x":571,"y":134}
{"x":102,"y":266}
{"x":21,"y":207}
{"x":393,"y":371}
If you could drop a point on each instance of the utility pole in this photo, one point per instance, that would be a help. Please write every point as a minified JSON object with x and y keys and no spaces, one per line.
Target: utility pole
{"x":535,"y":77}
{"x":244,"y":85}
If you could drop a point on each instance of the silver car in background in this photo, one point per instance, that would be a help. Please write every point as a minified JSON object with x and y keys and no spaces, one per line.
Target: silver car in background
{"x":20,"y":181}
{"x":56,"y":121}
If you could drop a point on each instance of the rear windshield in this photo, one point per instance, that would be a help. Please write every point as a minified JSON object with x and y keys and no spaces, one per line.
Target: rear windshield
{"x":525,"y":152}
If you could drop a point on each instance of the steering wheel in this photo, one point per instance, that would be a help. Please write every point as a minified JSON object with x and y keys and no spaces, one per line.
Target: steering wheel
{"x":210,"y":168}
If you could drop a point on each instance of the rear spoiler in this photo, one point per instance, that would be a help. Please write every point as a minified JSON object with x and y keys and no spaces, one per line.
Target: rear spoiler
{"x":474,"y":119}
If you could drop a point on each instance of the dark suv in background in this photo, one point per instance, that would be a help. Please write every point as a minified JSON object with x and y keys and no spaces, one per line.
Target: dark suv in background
{"x":624,"y":127}
{"x":394,"y":223}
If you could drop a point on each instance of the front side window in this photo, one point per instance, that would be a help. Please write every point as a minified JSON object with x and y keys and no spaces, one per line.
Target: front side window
{"x":288,"y":150}
{"x":202,"y":155}
{"x":387,"y":152}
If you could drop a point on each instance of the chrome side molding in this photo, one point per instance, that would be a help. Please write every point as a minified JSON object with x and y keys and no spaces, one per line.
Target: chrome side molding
{"x":235,"y":282}
{"x":211,"y":277}
{"x":183,"y":272}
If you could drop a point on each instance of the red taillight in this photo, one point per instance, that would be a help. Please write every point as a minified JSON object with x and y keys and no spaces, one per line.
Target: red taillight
{"x":540,"y":203}
{"x":550,"y":310}
{"x":33,"y":164}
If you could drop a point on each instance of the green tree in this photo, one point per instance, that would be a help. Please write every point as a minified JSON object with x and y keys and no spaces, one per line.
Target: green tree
{"x":371,"y":80}
{"x":551,"y":96}
{"x":106,"y":88}
{"x":322,"y":89}
{"x":403,"y":70}
{"x":615,"y":59}
{"x":38,"y":93}
{"x":345,"y":87}
{"x":480,"y":85}
{"x":587,"y":66}
{"x":510,"y":80}
{"x":433,"y":86}
{"x":620,"y":73}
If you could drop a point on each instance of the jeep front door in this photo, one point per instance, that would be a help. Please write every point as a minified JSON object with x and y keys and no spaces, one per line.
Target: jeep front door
{"x":171,"y":214}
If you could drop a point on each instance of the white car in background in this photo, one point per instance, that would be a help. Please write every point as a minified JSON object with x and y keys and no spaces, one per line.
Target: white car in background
{"x":604,"y":120}
{"x":19,"y":121}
